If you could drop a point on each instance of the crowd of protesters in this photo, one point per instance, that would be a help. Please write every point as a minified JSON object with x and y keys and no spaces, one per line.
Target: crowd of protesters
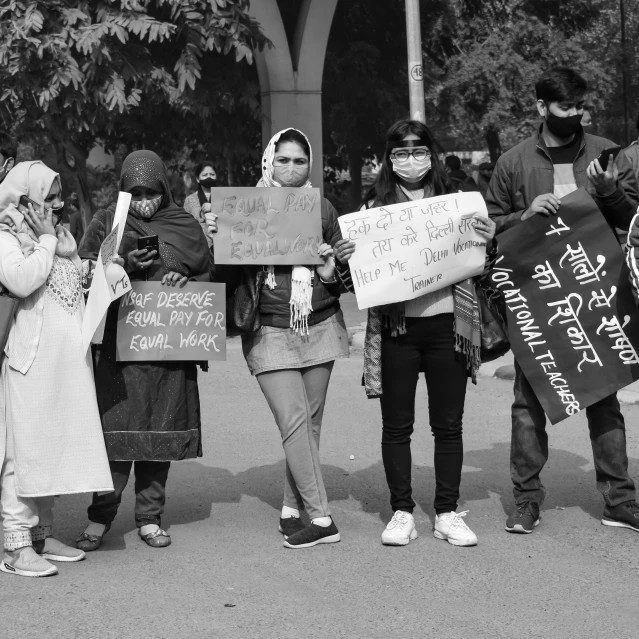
{"x":75,"y":422}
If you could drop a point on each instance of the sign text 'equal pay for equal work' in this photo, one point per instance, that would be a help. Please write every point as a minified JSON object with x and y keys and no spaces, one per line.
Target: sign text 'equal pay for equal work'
{"x":157,"y":322}
{"x":267,"y":225}
{"x":408,"y":249}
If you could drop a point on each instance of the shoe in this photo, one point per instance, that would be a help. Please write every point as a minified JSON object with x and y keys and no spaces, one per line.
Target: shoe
{"x":54,"y":550}
{"x":89,"y":543}
{"x":624,"y":515}
{"x":524,"y":519}
{"x":27,"y":563}
{"x":400,"y":529}
{"x":313,"y":535}
{"x":452,"y":528}
{"x":157,"y":539}
{"x":290,"y":525}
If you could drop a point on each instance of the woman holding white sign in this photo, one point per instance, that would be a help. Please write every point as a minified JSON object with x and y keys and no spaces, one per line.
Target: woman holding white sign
{"x":291,"y":348}
{"x":438,"y":333}
{"x":150,"y":410}
{"x":50,"y":434}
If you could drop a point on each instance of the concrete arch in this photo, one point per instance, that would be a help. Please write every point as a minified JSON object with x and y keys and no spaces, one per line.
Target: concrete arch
{"x":290,"y":74}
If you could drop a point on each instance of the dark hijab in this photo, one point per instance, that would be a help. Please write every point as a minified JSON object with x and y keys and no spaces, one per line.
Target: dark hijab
{"x":179,"y":231}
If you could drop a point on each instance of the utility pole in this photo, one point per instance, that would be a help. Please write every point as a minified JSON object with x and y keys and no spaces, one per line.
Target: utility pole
{"x":415,"y":70}
{"x":624,"y":74}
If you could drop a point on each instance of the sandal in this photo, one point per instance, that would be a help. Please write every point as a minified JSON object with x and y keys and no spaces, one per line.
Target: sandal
{"x":88,"y":542}
{"x":157,"y":539}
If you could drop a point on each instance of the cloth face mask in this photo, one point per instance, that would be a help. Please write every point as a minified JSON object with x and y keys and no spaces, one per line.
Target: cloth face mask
{"x":413,"y":170}
{"x":209,"y":183}
{"x":563,"y":127}
{"x":146,"y":208}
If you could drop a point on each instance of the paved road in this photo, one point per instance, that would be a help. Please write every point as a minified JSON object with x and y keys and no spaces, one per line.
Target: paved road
{"x":571,"y":578}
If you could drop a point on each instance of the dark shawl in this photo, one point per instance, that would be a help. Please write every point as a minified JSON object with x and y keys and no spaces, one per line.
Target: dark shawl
{"x":179,"y":231}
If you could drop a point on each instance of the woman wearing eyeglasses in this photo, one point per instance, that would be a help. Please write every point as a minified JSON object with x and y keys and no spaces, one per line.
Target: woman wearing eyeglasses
{"x":51,"y":440}
{"x":425,"y":334}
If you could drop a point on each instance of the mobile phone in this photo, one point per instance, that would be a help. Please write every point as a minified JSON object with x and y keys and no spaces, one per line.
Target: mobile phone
{"x":605,"y":154}
{"x":25,"y":201}
{"x":149,"y":243}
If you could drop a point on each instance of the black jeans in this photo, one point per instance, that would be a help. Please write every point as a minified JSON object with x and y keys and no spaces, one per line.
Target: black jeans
{"x":150,"y":484}
{"x":529,"y":446}
{"x":429,"y":346}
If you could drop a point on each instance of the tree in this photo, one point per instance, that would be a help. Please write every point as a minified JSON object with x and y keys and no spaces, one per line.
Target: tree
{"x":79,"y":71}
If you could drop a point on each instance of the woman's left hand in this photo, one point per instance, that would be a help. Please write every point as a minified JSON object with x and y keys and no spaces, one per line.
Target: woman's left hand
{"x":66,"y":246}
{"x":172,"y":278}
{"x":485,"y":227}
{"x":326,"y":272}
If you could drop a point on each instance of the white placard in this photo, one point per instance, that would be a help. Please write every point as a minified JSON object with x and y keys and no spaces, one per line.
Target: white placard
{"x":409,"y":249}
{"x":110,"y":280}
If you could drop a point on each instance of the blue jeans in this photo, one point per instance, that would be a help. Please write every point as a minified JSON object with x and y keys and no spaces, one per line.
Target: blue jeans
{"x":529,"y":446}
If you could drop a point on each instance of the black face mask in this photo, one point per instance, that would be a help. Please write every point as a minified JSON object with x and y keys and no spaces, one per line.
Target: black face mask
{"x":57,"y":214}
{"x":209,"y":183}
{"x":563,"y":127}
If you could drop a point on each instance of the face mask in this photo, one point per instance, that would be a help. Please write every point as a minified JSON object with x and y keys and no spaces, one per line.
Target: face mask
{"x":209,"y":183}
{"x":290,"y":175}
{"x":563,"y":127}
{"x":146,"y":208}
{"x":57,"y":215}
{"x":413,"y":170}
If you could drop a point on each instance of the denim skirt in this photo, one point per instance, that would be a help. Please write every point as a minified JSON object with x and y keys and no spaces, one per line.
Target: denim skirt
{"x":271,"y":348}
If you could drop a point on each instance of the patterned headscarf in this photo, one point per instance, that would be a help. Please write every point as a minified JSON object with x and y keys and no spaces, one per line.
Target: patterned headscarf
{"x":301,"y":276}
{"x":146,"y":169}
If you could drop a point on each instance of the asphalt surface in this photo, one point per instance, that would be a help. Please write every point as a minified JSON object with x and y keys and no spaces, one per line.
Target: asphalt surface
{"x":228,"y":575}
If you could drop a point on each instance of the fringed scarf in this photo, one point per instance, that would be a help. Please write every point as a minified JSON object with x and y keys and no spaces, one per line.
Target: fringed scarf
{"x":301,"y":277}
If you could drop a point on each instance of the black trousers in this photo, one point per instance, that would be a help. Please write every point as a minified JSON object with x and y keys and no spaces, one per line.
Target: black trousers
{"x":429,"y":346}
{"x":150,"y":492}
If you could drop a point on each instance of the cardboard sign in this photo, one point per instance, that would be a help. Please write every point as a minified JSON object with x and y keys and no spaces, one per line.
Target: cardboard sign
{"x":572,"y":320}
{"x":163,"y":323}
{"x":110,"y":280}
{"x":408,"y":249}
{"x":267,"y":225}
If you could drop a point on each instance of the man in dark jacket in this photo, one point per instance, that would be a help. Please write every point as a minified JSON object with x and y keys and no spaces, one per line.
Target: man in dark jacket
{"x":457,"y":177}
{"x":530,"y":179}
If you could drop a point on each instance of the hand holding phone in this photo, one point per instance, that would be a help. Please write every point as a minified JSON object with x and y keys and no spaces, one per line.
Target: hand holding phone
{"x":604,"y":156}
{"x":149,"y":243}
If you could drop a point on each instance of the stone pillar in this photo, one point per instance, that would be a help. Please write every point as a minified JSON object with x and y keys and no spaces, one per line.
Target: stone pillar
{"x":291,"y":73}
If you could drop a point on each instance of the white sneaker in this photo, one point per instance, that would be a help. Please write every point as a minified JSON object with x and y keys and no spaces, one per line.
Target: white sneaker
{"x":400,"y":530}
{"x":452,"y":528}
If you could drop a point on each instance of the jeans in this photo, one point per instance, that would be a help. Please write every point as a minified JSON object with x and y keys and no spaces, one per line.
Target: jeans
{"x":529,"y":446}
{"x":150,"y":492}
{"x":24,"y":519}
{"x":296,"y":397}
{"x":429,"y":346}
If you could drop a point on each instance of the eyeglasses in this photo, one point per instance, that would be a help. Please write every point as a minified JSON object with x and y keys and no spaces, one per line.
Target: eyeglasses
{"x":403,"y":154}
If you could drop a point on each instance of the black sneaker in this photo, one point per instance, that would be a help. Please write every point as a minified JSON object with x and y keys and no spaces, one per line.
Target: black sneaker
{"x":290,"y":525}
{"x":313,"y":535}
{"x":524,"y":518}
{"x":624,"y":515}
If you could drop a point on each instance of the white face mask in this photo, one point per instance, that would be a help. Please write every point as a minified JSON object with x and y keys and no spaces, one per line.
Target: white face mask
{"x":412,"y":170}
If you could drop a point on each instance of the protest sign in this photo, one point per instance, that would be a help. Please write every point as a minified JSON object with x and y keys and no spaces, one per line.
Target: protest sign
{"x":267,"y":225}
{"x":572,"y":320}
{"x":166,"y":323}
{"x":408,"y":249}
{"x":110,"y":280}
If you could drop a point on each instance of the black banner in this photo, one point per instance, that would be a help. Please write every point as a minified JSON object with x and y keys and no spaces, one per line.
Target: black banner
{"x":572,"y":320}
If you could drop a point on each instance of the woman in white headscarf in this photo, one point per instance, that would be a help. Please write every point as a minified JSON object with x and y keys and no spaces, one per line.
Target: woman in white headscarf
{"x":301,"y":333}
{"x":51,"y":439}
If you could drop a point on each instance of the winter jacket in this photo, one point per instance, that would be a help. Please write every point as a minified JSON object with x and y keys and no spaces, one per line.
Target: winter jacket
{"x":632,"y":153}
{"x":526,"y":171}
{"x":274,"y":304}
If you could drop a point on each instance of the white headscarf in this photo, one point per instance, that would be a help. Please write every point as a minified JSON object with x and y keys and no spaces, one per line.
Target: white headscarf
{"x":301,"y":277}
{"x":33,"y":179}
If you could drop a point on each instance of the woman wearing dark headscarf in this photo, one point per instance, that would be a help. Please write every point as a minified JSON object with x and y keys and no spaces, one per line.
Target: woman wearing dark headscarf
{"x":150,"y":411}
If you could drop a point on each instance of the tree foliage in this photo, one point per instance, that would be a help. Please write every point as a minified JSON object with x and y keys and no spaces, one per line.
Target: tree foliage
{"x":78,"y":71}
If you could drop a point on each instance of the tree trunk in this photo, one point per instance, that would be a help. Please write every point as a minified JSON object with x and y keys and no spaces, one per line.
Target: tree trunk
{"x":494,"y":144}
{"x":355,"y":164}
{"x":71,"y":163}
{"x":230,"y":168}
